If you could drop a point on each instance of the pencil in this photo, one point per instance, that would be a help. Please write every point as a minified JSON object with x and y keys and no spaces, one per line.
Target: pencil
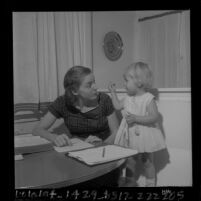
{"x":103,"y":154}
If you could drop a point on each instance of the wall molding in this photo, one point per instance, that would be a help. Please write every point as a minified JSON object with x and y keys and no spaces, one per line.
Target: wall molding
{"x":161,"y":90}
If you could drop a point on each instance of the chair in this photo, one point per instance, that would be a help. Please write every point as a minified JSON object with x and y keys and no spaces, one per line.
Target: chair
{"x":26,"y":115}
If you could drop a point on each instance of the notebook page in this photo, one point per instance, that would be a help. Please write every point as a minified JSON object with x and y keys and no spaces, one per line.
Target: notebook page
{"x":95,"y":155}
{"x":18,"y":157}
{"x":77,"y":144}
{"x":29,"y":140}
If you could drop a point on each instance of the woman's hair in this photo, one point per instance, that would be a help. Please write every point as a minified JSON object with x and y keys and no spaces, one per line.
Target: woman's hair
{"x":72,"y":81}
{"x":144,"y":76}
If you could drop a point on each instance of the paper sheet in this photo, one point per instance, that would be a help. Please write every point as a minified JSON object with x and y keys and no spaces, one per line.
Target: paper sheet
{"x":18,"y":157}
{"x":77,"y":145}
{"x":94,"y":156}
{"x":29,"y":140}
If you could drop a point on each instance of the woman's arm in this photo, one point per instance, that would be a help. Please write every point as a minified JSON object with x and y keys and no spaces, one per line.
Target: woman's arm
{"x":113,"y":125}
{"x":41,"y":129}
{"x":151,"y":118}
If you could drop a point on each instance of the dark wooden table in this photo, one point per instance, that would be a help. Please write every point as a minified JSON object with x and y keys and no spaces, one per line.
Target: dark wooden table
{"x":51,"y":169}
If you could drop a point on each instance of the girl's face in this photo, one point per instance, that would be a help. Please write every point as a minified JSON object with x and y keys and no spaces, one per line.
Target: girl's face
{"x":130,"y":82}
{"x":88,"y":89}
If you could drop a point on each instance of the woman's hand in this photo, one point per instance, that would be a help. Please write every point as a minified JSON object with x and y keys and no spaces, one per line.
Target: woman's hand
{"x":61,"y":140}
{"x":93,"y":140}
{"x":109,"y":140}
{"x":112,"y":87}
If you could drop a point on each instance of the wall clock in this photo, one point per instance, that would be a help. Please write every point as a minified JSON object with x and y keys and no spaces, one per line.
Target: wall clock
{"x":113,"y":45}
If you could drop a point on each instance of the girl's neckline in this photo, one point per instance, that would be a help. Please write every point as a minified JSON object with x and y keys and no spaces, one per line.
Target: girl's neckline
{"x":139,"y":95}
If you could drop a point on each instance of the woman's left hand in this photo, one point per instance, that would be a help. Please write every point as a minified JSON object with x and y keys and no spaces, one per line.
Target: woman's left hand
{"x":109,"y":141}
{"x":93,"y":140}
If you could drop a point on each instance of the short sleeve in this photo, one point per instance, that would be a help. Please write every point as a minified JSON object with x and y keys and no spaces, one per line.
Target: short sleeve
{"x":107,"y":104}
{"x":149,"y":98}
{"x":57,"y":107}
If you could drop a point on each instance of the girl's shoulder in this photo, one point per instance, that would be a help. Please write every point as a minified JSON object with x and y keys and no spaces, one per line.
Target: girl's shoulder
{"x":154,"y":92}
{"x":145,"y":98}
{"x":148,"y":97}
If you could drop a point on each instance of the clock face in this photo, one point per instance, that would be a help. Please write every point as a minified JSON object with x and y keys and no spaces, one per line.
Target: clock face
{"x":113,"y":46}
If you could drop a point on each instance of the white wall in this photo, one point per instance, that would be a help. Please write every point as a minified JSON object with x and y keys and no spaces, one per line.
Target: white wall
{"x":176,"y":111}
{"x":24,"y":57}
{"x":170,"y":63}
{"x":148,"y":13}
{"x":121,"y":22}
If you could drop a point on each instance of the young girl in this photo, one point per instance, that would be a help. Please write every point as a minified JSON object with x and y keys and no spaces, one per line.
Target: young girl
{"x":139,"y":129}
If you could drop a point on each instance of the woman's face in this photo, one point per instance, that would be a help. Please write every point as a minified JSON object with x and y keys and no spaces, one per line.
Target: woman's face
{"x":88,"y":89}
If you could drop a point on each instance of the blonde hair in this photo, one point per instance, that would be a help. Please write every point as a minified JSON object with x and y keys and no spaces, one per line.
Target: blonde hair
{"x":144,"y":77}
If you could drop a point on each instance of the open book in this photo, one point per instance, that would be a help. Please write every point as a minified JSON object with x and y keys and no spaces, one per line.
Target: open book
{"x":30,"y":144}
{"x":102,"y":154}
{"x":77,"y":144}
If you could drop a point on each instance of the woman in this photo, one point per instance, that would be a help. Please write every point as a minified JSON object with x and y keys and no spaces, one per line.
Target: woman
{"x":87,"y":114}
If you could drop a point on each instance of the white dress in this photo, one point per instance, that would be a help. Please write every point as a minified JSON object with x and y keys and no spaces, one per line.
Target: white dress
{"x":140,"y":137}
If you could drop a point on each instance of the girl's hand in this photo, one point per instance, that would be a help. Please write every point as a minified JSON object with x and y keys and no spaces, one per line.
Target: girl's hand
{"x":130,"y":119}
{"x":62,"y":140}
{"x":112,"y":87}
